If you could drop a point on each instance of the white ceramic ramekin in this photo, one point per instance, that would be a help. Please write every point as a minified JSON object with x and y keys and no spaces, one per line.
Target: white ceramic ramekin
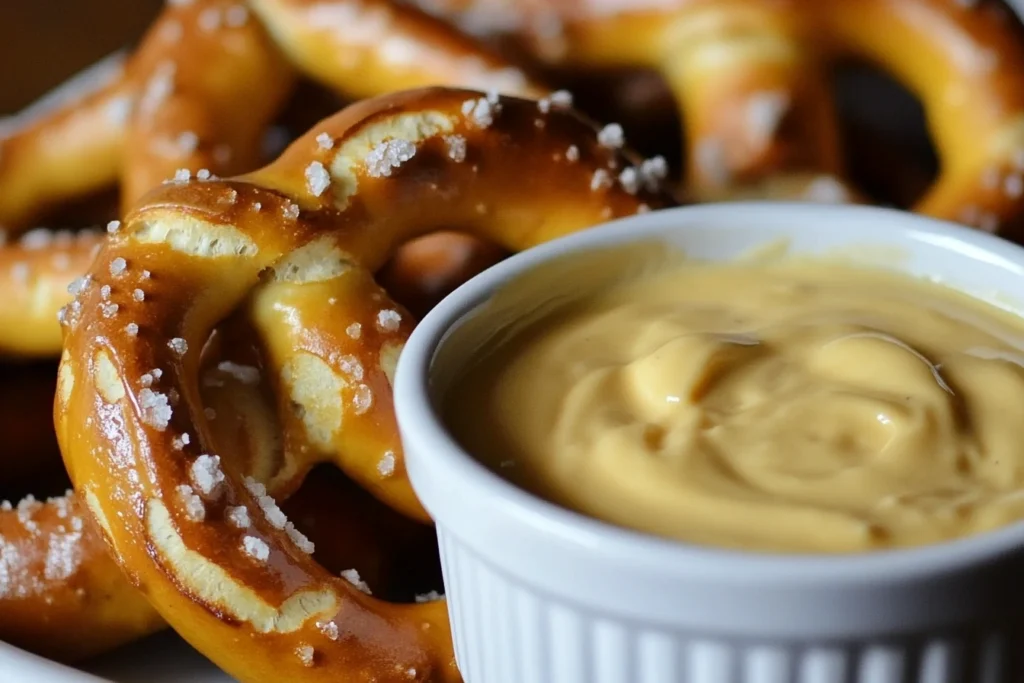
{"x":539,"y":594}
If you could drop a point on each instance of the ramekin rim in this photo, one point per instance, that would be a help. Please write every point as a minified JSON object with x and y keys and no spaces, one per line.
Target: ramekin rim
{"x":417,"y":414}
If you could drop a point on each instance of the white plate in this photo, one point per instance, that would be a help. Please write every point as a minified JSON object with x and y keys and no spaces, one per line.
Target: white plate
{"x":163,"y":658}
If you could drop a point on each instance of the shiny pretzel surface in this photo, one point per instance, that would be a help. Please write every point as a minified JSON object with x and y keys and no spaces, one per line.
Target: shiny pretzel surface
{"x":207,"y":544}
{"x":194,"y":100}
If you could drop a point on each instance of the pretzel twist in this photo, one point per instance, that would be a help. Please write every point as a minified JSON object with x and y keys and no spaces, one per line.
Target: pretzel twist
{"x":193,"y":100}
{"x":314,"y":223}
{"x":196,"y":98}
{"x":750,"y":78}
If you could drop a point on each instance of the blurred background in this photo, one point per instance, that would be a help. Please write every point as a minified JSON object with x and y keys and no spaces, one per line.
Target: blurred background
{"x":43,"y":42}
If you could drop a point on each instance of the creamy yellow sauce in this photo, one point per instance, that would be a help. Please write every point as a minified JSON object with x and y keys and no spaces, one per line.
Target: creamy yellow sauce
{"x":792,"y":406}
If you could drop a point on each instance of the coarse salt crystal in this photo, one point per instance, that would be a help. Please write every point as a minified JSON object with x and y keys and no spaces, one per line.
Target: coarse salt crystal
{"x":132,"y":330}
{"x":630,"y":180}
{"x":156,"y":411}
{"x":178,"y":345}
{"x":305,"y":654}
{"x":317,"y":178}
{"x":388,"y":320}
{"x":113,"y":227}
{"x":386,"y":466}
{"x":324,"y":141}
{"x":79,"y":285}
{"x":138,"y":295}
{"x":351,"y":366}
{"x":362,"y":399}
{"x":256,"y":548}
{"x":192,"y":503}
{"x":354,"y":331}
{"x":611,"y":136}
{"x":238,"y":517}
{"x":456,"y":146}
{"x":352,"y":576}
{"x":481,"y":112}
{"x":601,"y":180}
{"x":431,"y":596}
{"x":389,"y":155}
{"x":561,"y":98}
{"x":118,"y":266}
{"x":329,"y":629}
{"x":653,"y":171}
{"x":299,"y":539}
{"x":206,"y":474}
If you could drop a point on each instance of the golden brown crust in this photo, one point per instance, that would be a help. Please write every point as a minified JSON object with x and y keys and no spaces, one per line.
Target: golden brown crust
{"x":35,"y":271}
{"x":744,"y":68}
{"x":339,"y":201}
{"x":61,"y":595}
{"x":373,"y":47}
{"x":196,"y":96}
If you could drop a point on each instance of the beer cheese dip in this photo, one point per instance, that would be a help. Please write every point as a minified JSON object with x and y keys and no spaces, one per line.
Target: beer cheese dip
{"x":774,"y":406}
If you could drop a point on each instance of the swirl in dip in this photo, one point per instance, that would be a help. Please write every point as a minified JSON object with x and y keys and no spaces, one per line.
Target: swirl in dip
{"x":784,"y":406}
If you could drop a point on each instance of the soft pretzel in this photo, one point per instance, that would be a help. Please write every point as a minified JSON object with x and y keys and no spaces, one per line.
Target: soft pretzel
{"x":750,"y":79}
{"x":196,"y":99}
{"x":62,"y":596}
{"x":192,"y":101}
{"x":372,"y":47}
{"x":329,"y":211}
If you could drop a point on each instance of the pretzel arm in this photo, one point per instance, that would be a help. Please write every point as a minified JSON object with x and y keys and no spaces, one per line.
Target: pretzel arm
{"x":61,"y":595}
{"x":68,"y":150}
{"x":756,"y":99}
{"x":34,"y":277}
{"x":333,"y":344}
{"x":965,"y":65}
{"x":376,"y":46}
{"x":213,"y":581}
{"x":212,"y":82}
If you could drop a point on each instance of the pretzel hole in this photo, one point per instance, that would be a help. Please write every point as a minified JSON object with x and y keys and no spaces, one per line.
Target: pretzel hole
{"x":637,"y":99}
{"x":34,"y":465}
{"x":395,"y":556}
{"x":889,"y":153}
{"x":426,"y":269}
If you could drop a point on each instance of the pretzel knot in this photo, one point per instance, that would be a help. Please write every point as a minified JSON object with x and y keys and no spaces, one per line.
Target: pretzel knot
{"x":293,"y":245}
